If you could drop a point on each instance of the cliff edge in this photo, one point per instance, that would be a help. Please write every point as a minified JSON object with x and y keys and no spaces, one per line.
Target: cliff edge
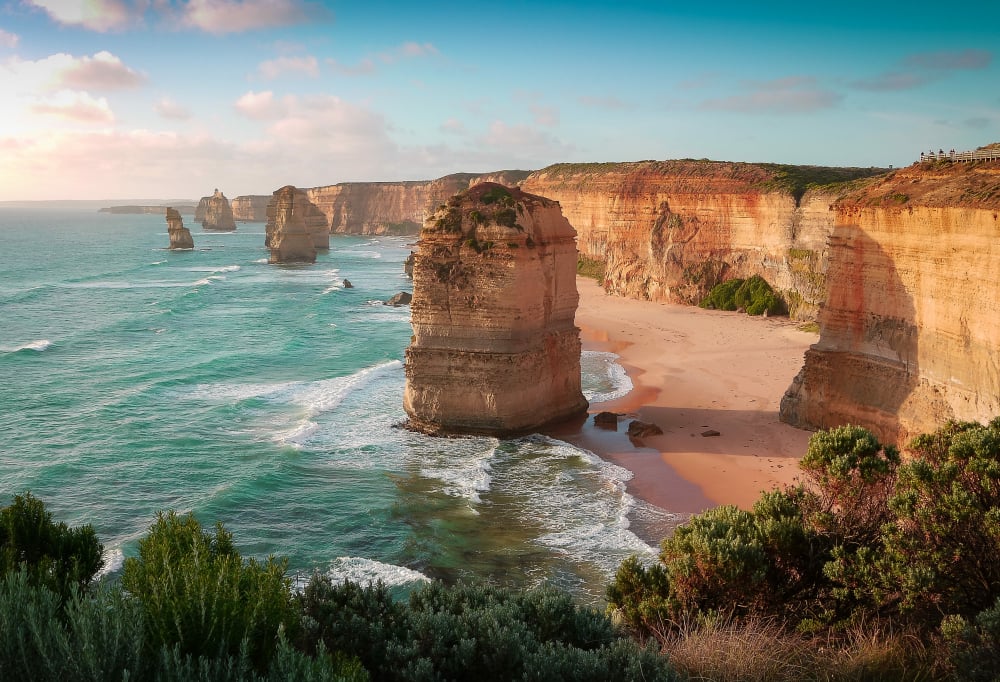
{"x":215,"y":213}
{"x":495,"y":348}
{"x":910,"y":329}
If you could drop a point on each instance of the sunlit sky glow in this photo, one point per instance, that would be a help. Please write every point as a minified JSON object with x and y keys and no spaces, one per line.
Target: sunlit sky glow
{"x":118,"y":99}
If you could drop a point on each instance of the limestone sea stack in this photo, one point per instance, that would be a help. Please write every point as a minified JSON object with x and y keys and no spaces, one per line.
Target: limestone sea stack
{"x":180,"y":236}
{"x":315,"y":221}
{"x":495,"y":347}
{"x":215,"y":213}
{"x":286,"y":234}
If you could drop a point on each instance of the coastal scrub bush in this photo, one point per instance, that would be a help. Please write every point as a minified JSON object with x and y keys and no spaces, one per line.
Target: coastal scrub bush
{"x":472,"y":631}
{"x":53,"y":554}
{"x":197,"y":593}
{"x":591,"y":267}
{"x":754,"y":295}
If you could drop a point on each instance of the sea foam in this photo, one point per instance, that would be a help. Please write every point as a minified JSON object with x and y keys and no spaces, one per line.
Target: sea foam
{"x":367,"y":571}
{"x":36,"y":346}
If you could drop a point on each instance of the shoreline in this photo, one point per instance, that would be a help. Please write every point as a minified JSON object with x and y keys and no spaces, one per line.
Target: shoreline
{"x":694,"y":370}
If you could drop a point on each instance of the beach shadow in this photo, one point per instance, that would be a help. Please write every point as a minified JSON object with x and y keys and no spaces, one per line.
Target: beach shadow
{"x":864,"y":369}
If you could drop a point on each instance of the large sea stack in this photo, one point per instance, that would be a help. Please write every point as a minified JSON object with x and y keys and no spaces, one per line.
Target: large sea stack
{"x":215,"y":213}
{"x":910,"y":331}
{"x":314,"y":219}
{"x":286,"y":234}
{"x":180,"y":236}
{"x":495,"y":348}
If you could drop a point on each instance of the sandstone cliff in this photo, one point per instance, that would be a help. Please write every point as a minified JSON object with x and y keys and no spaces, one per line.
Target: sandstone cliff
{"x":309,"y":213}
{"x":495,"y":348}
{"x":180,"y":236}
{"x":287,"y":233}
{"x":394,"y":207}
{"x":671,"y":230}
{"x":215,"y":213}
{"x":910,"y":330}
{"x":250,"y":208}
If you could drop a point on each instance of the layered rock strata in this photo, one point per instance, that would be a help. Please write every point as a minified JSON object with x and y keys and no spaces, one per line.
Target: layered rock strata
{"x":312,"y":217}
{"x":287,"y":234}
{"x":910,"y":330}
{"x":671,"y":230}
{"x":495,"y":348}
{"x":250,"y":208}
{"x":180,"y":236}
{"x":215,"y":213}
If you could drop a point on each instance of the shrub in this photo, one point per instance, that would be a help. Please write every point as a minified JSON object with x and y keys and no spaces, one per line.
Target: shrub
{"x":53,"y":554}
{"x":469,"y":631}
{"x":754,"y":295}
{"x":974,"y":647}
{"x":591,"y":267}
{"x":197,"y":593}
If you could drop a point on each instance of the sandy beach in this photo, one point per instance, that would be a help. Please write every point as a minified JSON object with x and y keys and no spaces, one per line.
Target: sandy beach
{"x":695,"y":370}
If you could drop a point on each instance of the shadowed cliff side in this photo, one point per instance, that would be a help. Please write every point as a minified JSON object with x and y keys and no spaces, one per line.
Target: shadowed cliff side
{"x":215,"y":213}
{"x":910,"y":331}
{"x":495,"y":348}
{"x":180,"y":236}
{"x":287,"y":234}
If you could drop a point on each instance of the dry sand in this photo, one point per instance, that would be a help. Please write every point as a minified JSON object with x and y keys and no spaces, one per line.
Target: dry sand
{"x":694,"y":370}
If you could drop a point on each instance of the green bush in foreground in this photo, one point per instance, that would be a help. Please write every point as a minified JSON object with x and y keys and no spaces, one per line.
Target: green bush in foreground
{"x":53,"y":554}
{"x":754,"y":295}
{"x":472,"y":632}
{"x":197,"y":593}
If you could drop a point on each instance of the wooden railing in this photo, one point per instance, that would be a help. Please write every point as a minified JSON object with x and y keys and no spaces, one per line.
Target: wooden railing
{"x":975,"y":155}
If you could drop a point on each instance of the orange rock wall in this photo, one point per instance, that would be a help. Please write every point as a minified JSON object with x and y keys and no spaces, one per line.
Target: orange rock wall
{"x":670,"y":231}
{"x":910,"y":331}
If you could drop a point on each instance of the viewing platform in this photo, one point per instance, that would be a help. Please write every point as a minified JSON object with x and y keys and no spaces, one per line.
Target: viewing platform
{"x":974,"y":155}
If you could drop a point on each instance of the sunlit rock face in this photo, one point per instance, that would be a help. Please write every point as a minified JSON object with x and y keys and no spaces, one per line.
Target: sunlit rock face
{"x":180,"y":236}
{"x":495,"y":349}
{"x":910,"y":330}
{"x":671,"y":230}
{"x":215,"y":213}
{"x":250,"y":208}
{"x":313,"y":219}
{"x":287,"y":234}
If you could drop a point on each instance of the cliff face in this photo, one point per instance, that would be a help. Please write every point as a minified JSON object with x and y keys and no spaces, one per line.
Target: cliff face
{"x":910,"y":330}
{"x":287,"y":234}
{"x":495,"y":348}
{"x":180,"y":236}
{"x":215,"y":213}
{"x":250,"y":208}
{"x":394,"y":207}
{"x":670,"y":231}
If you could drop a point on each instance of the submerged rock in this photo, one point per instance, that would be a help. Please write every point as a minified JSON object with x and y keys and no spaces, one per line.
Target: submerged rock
{"x":402,"y":298}
{"x":606,"y":420}
{"x":495,"y":349}
{"x":180,"y":236}
{"x":640,"y":429}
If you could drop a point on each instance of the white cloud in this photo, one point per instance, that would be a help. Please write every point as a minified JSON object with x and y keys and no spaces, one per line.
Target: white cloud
{"x":103,"y":71}
{"x":791,"y":95}
{"x":8,"y":39}
{"x":363,"y":68}
{"x":524,"y":141}
{"x":260,"y":106}
{"x":236,"y":16}
{"x":411,"y":49}
{"x":96,"y":15}
{"x":168,"y":108}
{"x":75,"y":106}
{"x":544,"y":115}
{"x":453,"y":125}
{"x":274,"y":68}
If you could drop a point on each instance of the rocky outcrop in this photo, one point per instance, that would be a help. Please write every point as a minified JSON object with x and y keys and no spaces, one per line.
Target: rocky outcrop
{"x":394,"y":207}
{"x":250,"y":208}
{"x":215,"y":213}
{"x":313,"y":219}
{"x":287,"y":234}
{"x":910,"y":330}
{"x":495,"y":349}
{"x":671,"y":230}
{"x":180,"y":236}
{"x":183,"y":209}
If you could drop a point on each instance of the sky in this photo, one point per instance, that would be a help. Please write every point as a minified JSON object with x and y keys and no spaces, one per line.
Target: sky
{"x":119,"y":99}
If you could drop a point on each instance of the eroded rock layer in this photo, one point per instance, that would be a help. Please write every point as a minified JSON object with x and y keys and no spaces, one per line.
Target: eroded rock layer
{"x":910,"y":330}
{"x":671,"y":230}
{"x":495,"y":347}
{"x":250,"y":208}
{"x":215,"y":213}
{"x":287,"y":234}
{"x":313,"y":219}
{"x":180,"y":236}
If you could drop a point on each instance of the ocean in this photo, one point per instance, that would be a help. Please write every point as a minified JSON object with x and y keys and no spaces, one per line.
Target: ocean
{"x":134,"y":379}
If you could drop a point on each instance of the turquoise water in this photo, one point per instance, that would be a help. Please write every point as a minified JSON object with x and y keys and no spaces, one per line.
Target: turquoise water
{"x":134,"y":379}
